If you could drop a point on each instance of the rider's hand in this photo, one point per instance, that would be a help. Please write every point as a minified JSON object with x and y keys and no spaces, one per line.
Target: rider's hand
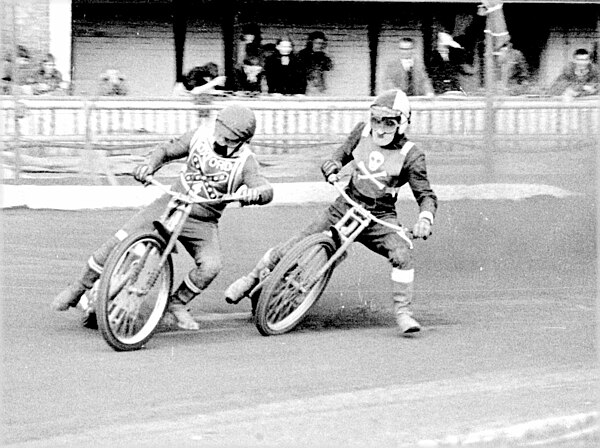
{"x":141,"y":172}
{"x":250,"y":196}
{"x":422,"y":228}
{"x":333,"y":178}
{"x":330,"y":169}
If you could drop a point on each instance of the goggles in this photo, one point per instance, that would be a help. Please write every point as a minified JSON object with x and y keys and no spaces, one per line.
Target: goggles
{"x":385,"y":124}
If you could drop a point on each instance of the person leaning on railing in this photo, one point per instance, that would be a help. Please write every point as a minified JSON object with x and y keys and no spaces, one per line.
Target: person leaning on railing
{"x":579,"y":78}
{"x":48,"y":80}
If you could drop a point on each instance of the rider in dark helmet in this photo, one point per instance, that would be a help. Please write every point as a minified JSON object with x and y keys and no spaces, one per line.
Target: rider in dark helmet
{"x":383,"y":159}
{"x":218,"y":163}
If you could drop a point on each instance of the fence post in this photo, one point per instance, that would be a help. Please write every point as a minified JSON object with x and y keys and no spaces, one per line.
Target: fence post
{"x":15,"y":90}
{"x":17,"y":138}
{"x":95,"y":160}
{"x":490,"y":115}
{"x":87,"y":169}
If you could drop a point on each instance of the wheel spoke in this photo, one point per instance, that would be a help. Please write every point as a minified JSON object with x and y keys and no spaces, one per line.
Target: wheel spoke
{"x":135,"y":291}
{"x":295,"y":285}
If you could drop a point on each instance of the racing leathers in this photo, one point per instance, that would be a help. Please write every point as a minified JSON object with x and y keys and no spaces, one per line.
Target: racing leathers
{"x":377,"y":173}
{"x":209,"y":175}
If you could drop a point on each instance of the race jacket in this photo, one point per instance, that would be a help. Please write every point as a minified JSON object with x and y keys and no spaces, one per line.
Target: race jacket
{"x":209,"y":174}
{"x":378,"y":173}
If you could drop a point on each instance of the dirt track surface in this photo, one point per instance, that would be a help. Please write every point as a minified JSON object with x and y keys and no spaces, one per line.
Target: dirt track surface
{"x":505,"y":290}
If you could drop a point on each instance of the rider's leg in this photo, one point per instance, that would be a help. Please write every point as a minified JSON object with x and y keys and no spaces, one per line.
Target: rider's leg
{"x":398,"y":251}
{"x":243,"y":285}
{"x":91,"y":272}
{"x":201,"y":240}
{"x":71,"y":295}
{"x":402,"y":293}
{"x":178,"y":304}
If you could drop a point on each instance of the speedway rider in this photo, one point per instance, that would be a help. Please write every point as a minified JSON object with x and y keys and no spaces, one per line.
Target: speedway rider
{"x":383,"y":160}
{"x":218,"y":163}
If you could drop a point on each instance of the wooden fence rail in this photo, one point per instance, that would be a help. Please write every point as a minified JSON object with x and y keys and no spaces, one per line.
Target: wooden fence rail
{"x":464,"y":126}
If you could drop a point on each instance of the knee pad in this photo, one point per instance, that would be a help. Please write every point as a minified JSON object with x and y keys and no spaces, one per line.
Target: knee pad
{"x":101,"y":254}
{"x":204,"y":273}
{"x":401,"y":257}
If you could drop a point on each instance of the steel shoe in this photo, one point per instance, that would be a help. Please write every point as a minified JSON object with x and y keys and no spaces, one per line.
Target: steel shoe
{"x":407,"y":324}
{"x":69,"y":297}
{"x":240,"y":288}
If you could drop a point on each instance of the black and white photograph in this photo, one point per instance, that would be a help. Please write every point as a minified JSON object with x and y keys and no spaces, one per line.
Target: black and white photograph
{"x":299,"y":223}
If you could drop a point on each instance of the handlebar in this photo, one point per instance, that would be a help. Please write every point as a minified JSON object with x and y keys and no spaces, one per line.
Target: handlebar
{"x":340,"y":188}
{"x":190,"y":197}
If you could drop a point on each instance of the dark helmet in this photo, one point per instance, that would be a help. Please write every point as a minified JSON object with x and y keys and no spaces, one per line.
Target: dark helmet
{"x":238,"y":119}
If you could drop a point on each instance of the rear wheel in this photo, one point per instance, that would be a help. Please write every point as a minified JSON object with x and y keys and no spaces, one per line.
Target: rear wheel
{"x":133,"y":294}
{"x":292,"y":288}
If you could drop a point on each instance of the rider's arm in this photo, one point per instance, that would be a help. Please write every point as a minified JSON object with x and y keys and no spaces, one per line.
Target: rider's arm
{"x":174,"y":149}
{"x":252,"y":178}
{"x":419,"y":183}
{"x":343,"y":154}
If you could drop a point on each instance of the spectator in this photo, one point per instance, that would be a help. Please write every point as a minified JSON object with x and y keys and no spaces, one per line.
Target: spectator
{"x":283,"y":70}
{"x":7,"y":70}
{"x":201,"y":79}
{"x":23,"y":73}
{"x":579,"y":78}
{"x":113,"y":83}
{"x":250,"y":43}
{"x":48,"y":79}
{"x":407,"y":72}
{"x":444,"y":70}
{"x":315,"y":63}
{"x":249,"y":75}
{"x":513,"y":76}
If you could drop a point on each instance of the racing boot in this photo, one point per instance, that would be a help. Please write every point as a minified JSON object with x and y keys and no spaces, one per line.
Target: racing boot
{"x":243,"y":285}
{"x":402,"y":289}
{"x":71,"y":295}
{"x":178,"y":307}
{"x":87,"y":303}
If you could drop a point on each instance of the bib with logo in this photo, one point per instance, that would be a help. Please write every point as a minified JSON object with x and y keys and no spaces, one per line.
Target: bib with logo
{"x":377,"y":169}
{"x":208,"y":174}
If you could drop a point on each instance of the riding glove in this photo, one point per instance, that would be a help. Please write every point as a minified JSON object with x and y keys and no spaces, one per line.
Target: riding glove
{"x":422,"y":228}
{"x":329,"y":168}
{"x":250,"y":196}
{"x":141,"y":172}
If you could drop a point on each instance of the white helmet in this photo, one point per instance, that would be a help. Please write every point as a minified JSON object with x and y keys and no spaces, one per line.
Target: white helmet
{"x":393,"y":104}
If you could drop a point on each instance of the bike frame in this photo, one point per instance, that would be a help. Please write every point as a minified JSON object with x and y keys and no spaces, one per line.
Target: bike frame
{"x":347,"y":229}
{"x":175,"y":218}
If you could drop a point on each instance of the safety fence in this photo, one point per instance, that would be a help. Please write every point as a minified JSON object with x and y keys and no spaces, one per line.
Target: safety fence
{"x":100,"y":135}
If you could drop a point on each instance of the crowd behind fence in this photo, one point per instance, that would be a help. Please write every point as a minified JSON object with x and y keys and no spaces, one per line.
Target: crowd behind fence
{"x":471,"y":126}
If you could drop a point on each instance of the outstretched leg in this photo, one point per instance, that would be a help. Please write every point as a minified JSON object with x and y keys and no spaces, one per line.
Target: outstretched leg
{"x":243,"y":285}
{"x":71,"y":295}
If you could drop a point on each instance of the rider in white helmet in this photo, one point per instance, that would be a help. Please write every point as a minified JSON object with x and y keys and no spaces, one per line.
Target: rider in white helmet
{"x":218,"y":163}
{"x":383,"y":159}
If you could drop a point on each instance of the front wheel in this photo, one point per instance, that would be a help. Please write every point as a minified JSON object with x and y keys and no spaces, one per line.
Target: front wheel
{"x":134,"y":291}
{"x":293,"y":287}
